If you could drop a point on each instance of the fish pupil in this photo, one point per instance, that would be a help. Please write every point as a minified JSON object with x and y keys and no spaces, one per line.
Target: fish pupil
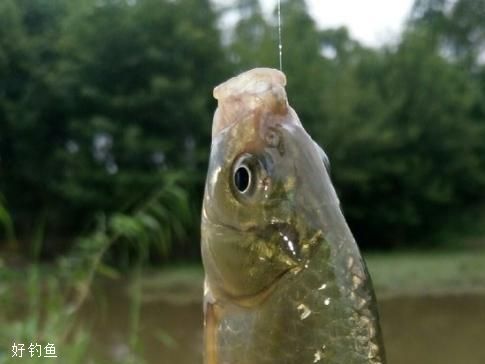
{"x":242,"y":178}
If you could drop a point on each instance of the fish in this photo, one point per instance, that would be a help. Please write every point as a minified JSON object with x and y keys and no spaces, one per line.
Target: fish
{"x":285,"y":282}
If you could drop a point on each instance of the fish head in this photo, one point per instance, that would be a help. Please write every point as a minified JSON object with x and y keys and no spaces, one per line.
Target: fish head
{"x":259,"y":218}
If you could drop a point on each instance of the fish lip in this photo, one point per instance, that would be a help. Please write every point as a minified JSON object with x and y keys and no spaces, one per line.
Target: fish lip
{"x":249,"y":93}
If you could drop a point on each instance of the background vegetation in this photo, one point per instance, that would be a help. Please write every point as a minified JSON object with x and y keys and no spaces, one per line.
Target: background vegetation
{"x":106,"y":107}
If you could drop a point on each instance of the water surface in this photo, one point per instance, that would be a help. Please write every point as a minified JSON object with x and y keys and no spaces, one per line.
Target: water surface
{"x":418,"y":330}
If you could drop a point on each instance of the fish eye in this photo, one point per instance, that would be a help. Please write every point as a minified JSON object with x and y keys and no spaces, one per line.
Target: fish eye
{"x":242,"y":178}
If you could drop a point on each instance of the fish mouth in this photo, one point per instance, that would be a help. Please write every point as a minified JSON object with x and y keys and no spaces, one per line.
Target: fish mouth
{"x":258,"y":298}
{"x":251,"y":91}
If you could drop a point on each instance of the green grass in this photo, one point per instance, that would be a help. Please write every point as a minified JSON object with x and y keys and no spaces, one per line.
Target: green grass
{"x":428,"y":273}
{"x":36,"y":307}
{"x":393,"y":274}
{"x":33,"y":311}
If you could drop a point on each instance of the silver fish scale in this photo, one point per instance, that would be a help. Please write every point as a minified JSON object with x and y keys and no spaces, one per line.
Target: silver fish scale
{"x":301,"y":322}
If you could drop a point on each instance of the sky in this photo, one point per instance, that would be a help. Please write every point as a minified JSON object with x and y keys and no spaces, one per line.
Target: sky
{"x":372,"y":22}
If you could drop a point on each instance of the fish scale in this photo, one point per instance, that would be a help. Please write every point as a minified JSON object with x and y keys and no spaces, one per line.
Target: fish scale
{"x":285,"y":281}
{"x":325,"y":330}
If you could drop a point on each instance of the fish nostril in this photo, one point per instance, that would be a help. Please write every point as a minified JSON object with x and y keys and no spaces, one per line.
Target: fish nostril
{"x":274,"y":139}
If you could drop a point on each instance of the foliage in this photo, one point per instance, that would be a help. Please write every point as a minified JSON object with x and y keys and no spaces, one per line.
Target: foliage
{"x":101,"y":107}
{"x":457,"y":27}
{"x":6,"y":222}
{"x":103,"y":102}
{"x":42,"y":304}
{"x":403,"y":125}
{"x":401,"y":140}
{"x":39,"y":319}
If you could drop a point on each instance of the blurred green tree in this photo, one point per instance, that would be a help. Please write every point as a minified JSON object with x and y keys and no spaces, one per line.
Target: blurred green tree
{"x":252,"y":43}
{"x":458,"y":27}
{"x":405,"y":142}
{"x":105,"y":103}
{"x":31,"y":124}
{"x":399,"y":123}
{"x":116,"y":99}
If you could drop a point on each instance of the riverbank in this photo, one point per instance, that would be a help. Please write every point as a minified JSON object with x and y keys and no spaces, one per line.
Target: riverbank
{"x":400,"y":273}
{"x":430,"y":273}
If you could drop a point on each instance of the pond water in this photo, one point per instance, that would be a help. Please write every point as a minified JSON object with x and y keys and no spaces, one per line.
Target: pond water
{"x":418,"y":330}
{"x":434,"y":330}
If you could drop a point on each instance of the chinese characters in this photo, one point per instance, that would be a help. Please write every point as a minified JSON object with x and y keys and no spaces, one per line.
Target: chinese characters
{"x":34,"y":350}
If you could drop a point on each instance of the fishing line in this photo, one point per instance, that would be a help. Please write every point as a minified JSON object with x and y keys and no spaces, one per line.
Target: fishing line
{"x":280,"y":44}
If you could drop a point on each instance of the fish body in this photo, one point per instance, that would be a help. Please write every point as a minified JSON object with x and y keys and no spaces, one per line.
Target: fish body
{"x":285,"y":281}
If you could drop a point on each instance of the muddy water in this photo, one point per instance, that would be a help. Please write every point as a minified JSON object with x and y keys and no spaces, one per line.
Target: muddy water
{"x":418,"y":330}
{"x":435,"y":330}
{"x":168,"y":332}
